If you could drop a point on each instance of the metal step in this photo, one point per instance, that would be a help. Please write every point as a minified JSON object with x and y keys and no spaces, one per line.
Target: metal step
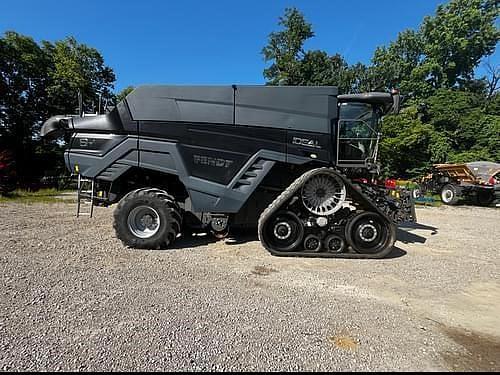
{"x":85,"y":196}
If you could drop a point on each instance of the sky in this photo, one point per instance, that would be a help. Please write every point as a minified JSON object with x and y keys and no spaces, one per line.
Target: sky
{"x":209,"y":42}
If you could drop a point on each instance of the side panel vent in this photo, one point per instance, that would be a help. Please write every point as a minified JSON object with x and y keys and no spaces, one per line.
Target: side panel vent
{"x":113,"y":172}
{"x":253,"y":175}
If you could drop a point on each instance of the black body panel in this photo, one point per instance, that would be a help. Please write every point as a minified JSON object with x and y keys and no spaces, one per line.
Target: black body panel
{"x":215,"y":152}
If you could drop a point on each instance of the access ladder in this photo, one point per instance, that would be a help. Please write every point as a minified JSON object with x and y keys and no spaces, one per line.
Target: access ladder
{"x":85,"y":197}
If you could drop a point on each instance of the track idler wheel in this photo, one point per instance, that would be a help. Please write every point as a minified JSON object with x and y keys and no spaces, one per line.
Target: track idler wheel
{"x":370,"y":233}
{"x":334,"y":244}
{"x":284,"y":232}
{"x":312,"y":243}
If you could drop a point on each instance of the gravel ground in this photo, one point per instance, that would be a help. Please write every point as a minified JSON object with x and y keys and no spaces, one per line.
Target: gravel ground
{"x":72,"y":297}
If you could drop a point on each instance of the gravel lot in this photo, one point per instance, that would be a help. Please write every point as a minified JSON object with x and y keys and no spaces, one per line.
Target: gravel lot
{"x":73,"y":298}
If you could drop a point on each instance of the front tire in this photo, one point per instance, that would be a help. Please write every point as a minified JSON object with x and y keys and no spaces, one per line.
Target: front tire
{"x":449,"y":194}
{"x":147,"y":218}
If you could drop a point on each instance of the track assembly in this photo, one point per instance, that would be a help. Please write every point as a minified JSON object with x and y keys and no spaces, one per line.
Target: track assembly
{"x":322,"y":214}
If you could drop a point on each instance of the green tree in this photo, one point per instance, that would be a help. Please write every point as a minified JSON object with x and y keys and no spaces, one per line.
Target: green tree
{"x":362,"y":78}
{"x":23,"y":96}
{"x":409,"y":146}
{"x":77,"y":67}
{"x":456,"y":39}
{"x":123,"y":94}
{"x":291,"y":64}
{"x":319,"y":69}
{"x":436,"y":63}
{"x":462,"y":117}
{"x":40,"y":80}
{"x":394,"y":66}
{"x":285,"y":48}
{"x":443,"y":53}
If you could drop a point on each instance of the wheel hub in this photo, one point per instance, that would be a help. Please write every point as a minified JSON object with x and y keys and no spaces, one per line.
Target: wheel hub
{"x":367,"y":232}
{"x":447,"y":195}
{"x":323,"y":194}
{"x":143,"y":221}
{"x":320,"y":193}
{"x":312,"y":243}
{"x":334,"y":244}
{"x":282,"y":230}
{"x":148,"y":221}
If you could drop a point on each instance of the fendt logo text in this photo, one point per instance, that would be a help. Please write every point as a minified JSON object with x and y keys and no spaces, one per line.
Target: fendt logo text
{"x":212,"y":162}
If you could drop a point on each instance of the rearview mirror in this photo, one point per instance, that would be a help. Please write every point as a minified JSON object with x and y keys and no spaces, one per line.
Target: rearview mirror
{"x":396,"y":101}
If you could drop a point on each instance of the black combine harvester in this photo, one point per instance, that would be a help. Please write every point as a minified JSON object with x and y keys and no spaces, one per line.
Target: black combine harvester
{"x":298,"y":163}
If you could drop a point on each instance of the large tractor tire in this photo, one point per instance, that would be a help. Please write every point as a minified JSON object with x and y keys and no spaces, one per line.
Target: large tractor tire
{"x":147,"y":218}
{"x":450,"y":194}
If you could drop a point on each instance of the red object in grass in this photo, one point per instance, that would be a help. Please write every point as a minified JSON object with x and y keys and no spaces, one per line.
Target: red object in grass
{"x":390,"y":183}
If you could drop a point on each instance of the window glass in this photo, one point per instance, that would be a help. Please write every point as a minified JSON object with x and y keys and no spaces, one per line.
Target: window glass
{"x":357,"y":120}
{"x":357,"y":131}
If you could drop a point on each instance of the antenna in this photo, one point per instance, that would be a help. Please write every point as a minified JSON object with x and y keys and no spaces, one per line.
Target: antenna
{"x":80,"y":103}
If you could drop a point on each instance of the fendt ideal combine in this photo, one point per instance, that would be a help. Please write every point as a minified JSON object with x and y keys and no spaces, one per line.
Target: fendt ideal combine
{"x":298,"y":163}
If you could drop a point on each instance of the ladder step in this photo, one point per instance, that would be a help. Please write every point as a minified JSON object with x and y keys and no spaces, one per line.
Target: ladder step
{"x":85,"y":196}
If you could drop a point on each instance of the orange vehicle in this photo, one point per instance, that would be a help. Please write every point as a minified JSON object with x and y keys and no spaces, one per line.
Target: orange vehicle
{"x":477,"y":182}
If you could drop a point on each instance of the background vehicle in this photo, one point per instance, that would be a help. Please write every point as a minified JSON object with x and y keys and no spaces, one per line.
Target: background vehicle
{"x":474,"y":182}
{"x":181,"y":158}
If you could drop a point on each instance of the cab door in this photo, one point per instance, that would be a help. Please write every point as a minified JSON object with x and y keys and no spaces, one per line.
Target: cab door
{"x":357,"y":134}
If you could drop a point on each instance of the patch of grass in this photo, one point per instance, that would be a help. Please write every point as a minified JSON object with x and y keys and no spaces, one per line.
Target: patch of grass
{"x":39,"y":196}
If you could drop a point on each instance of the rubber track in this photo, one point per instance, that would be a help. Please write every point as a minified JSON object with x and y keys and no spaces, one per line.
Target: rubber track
{"x":291,"y":190}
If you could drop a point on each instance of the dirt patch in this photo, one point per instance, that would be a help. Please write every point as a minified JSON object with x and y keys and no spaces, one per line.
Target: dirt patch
{"x":482,"y":353}
{"x":263,"y":270}
{"x":344,"y":342}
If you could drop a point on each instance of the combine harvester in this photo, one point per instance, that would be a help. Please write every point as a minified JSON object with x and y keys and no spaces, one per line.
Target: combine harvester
{"x":295,"y":162}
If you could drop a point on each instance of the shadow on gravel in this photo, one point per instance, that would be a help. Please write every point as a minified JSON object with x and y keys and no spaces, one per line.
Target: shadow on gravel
{"x":405,"y":235}
{"x":204,"y":239}
{"x":395,"y":253}
{"x":244,"y":236}
{"x":193,"y":241}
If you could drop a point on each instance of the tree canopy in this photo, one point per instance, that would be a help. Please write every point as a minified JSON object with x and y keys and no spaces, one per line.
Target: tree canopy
{"x":38,"y":80}
{"x":450,"y":116}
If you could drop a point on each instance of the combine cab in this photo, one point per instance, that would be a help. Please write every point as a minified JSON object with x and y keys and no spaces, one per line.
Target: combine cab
{"x":293,"y":162}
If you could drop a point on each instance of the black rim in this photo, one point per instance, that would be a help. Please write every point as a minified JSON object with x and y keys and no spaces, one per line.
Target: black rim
{"x":334,"y":244}
{"x":368,"y":233}
{"x":284,"y":232}
{"x":312,"y":243}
